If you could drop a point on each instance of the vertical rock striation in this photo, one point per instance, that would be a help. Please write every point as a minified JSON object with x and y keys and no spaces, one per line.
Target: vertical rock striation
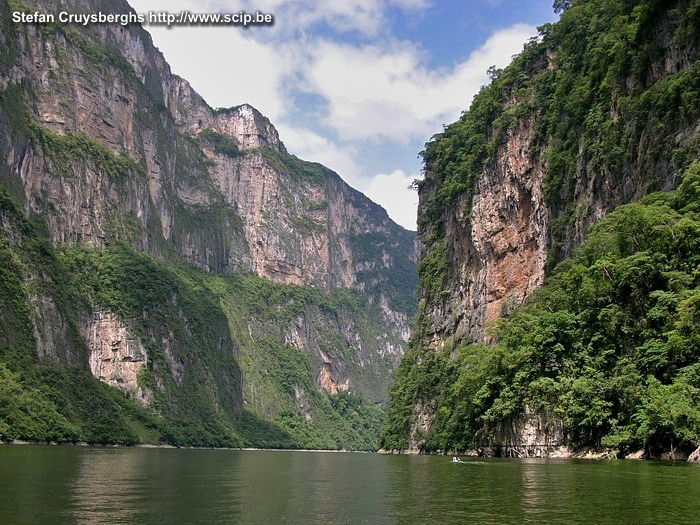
{"x":114,"y":355}
{"x":520,"y":207}
{"x":217,"y":186}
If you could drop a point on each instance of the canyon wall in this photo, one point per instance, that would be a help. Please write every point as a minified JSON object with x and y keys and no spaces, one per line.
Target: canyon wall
{"x":109,"y":151}
{"x":596,"y":112}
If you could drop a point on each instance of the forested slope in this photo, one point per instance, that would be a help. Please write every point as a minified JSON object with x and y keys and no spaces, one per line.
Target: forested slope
{"x":598,"y":111}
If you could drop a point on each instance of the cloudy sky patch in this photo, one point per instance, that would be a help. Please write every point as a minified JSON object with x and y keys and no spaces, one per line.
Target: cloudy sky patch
{"x":358,"y":85}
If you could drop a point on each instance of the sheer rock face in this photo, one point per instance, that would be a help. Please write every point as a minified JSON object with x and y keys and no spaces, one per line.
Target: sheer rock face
{"x":502,"y":233}
{"x":330,"y":378}
{"x":509,"y":226}
{"x":498,"y":239}
{"x":298,"y":231}
{"x":51,"y":329}
{"x":338,"y":360}
{"x":260,"y":214}
{"x":695,"y":455}
{"x":115,"y":356}
{"x":102,"y":96}
{"x":531,"y":434}
{"x":500,"y":250}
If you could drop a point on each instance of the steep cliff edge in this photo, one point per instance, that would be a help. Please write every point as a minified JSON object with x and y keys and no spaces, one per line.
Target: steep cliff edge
{"x":216,"y":186}
{"x":599,"y":110}
{"x":582,"y":121}
{"x":128,"y":172}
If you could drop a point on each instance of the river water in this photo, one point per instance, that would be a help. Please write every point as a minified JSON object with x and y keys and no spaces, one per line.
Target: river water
{"x":85,"y":485}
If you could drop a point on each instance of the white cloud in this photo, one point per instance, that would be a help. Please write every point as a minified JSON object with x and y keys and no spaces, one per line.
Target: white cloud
{"x":392,"y":191}
{"x":379,"y":91}
{"x":374,"y":93}
{"x":388,"y":92}
{"x":223,"y":64}
{"x":219,"y":63}
{"x":311,"y":146}
{"x":366,"y":17}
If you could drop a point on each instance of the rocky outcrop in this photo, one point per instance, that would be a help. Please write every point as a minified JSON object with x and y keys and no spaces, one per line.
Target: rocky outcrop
{"x":346,"y":356}
{"x":250,"y":129}
{"x":531,"y":434}
{"x":115,"y":356}
{"x":695,"y":455}
{"x":675,"y":455}
{"x":498,"y":241}
{"x":331,"y":378}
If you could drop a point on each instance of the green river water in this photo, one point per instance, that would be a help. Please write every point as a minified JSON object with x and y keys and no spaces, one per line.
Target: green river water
{"x":43,"y":484}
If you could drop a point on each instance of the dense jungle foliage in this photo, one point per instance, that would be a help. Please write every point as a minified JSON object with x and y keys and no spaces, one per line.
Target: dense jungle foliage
{"x":610,"y":344}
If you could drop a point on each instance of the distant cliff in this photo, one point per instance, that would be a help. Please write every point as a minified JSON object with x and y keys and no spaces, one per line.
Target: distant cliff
{"x":128,"y":172}
{"x":597,"y":111}
{"x":125,"y":141}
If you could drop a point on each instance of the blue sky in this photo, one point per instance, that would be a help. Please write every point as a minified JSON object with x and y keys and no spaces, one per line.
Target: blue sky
{"x":358,"y":85}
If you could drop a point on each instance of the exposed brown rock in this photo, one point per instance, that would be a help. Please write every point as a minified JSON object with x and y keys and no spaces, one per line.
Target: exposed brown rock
{"x":115,"y":356}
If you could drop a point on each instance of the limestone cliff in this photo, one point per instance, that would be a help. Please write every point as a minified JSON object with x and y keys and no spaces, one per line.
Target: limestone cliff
{"x":539,"y":189}
{"x":596,"y":111}
{"x":496,"y":239}
{"x":115,"y":356}
{"x":527,"y":208}
{"x":106,"y":148}
{"x":217,"y":186}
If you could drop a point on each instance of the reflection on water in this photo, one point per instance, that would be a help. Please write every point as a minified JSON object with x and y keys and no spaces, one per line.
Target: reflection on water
{"x":303,"y":487}
{"x":200,"y":486}
{"x":531,"y":490}
{"x":162,"y":485}
{"x":109,"y":485}
{"x":105,"y":487}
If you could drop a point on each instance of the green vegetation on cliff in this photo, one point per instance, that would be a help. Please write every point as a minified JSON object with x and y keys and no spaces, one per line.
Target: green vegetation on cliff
{"x":196,"y":389}
{"x":609,"y":346}
{"x":595,"y":88}
{"x":224,"y":358}
{"x":65,"y":151}
{"x":41,"y":400}
{"x":223,"y":144}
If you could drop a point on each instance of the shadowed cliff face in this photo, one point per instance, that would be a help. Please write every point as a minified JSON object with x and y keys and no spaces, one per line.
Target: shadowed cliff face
{"x":103,"y":145}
